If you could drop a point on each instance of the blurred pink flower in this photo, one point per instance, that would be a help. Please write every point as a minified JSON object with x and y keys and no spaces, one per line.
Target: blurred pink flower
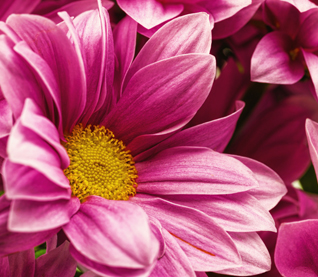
{"x":280,"y":56}
{"x":193,"y":206}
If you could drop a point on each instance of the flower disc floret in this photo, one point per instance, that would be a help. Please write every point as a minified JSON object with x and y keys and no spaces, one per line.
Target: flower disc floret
{"x":99,"y":164}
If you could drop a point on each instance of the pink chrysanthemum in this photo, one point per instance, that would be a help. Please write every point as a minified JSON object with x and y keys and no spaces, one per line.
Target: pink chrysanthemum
{"x":82,"y":139}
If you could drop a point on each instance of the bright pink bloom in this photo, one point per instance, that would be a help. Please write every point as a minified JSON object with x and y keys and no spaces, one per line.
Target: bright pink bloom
{"x":194,"y":206}
{"x":280,"y":56}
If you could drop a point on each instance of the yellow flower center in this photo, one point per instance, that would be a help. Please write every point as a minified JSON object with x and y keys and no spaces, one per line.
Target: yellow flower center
{"x":100,"y":164}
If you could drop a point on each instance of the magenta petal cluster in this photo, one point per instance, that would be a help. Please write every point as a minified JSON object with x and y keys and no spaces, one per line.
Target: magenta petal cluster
{"x":280,"y":56}
{"x":193,"y":206}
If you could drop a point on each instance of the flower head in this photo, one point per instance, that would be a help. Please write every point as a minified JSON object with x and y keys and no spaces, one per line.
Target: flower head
{"x":84,"y":141}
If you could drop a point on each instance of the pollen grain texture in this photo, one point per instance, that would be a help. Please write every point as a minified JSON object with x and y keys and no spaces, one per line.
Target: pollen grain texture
{"x":99,"y":164}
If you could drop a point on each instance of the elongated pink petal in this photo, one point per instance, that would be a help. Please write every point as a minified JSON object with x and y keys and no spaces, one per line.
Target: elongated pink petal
{"x":174,"y":260}
{"x":74,"y":8}
{"x":23,"y":182}
{"x":296,"y":249}
{"x":209,"y":248}
{"x":175,"y":96}
{"x":17,"y":80}
{"x":271,"y":187}
{"x":307,"y":35}
{"x":35,"y":216}
{"x":193,"y":170}
{"x":214,"y":134}
{"x":57,"y":262}
{"x":34,"y":142}
{"x":150,"y":13}
{"x":50,"y":42}
{"x":184,"y":35}
{"x":22,"y":263}
{"x":238,"y":212}
{"x":50,"y":88}
{"x":271,"y":62}
{"x":121,"y":237}
{"x":6,"y":119}
{"x":125,"y":30}
{"x":107,"y":96}
{"x":255,"y":256}
{"x":312,"y":64}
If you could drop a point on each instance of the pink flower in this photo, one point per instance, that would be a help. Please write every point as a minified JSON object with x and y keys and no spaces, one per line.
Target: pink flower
{"x":280,"y":56}
{"x":190,"y":205}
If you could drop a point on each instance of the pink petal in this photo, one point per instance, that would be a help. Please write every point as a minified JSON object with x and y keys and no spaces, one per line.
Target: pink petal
{"x":271,"y":62}
{"x":312,"y":64}
{"x":238,"y":212}
{"x":35,"y":216}
{"x":94,"y":30}
{"x":312,"y":137}
{"x":57,"y":262}
{"x":222,"y":9}
{"x":17,"y":80}
{"x":231,"y":25}
{"x":277,"y":15}
{"x":121,"y":237}
{"x":22,"y":263}
{"x":302,"y":5}
{"x":51,"y":243}
{"x":50,"y":42}
{"x":11,"y":242}
{"x":184,"y":35}
{"x":307,"y":35}
{"x":125,"y":30}
{"x":34,"y":142}
{"x":151,"y":12}
{"x":174,"y":96}
{"x":4,"y":265}
{"x":174,"y":260}
{"x":296,"y":249}
{"x":214,"y":134}
{"x":193,"y":170}
{"x":23,"y":182}
{"x":50,"y":88}
{"x":255,"y":256}
{"x":109,"y":271}
{"x":271,"y":187}
{"x":207,"y":245}
{"x":6,"y":119}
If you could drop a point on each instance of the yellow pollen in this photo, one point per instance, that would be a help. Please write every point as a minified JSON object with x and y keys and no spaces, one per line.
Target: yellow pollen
{"x":294,"y":53}
{"x":100,"y":164}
